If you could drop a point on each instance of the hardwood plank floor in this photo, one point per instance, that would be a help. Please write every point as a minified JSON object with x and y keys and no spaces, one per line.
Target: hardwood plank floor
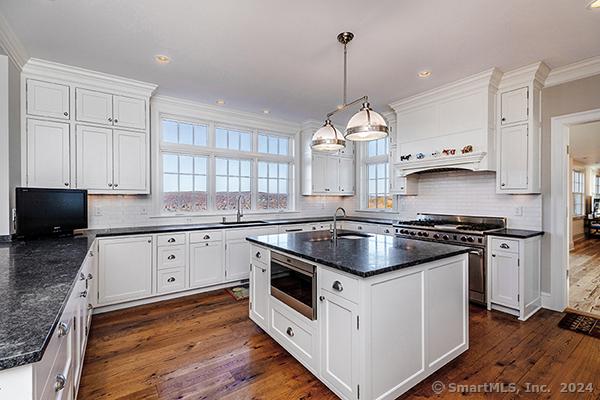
{"x":584,"y":277}
{"x":205,"y":347}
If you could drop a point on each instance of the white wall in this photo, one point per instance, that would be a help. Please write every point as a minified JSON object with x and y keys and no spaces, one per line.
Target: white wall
{"x":4,"y":149}
{"x":14,"y":109}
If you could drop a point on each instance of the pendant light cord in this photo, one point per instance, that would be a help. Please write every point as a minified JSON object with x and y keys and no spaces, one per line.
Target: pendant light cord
{"x":345,"y":73}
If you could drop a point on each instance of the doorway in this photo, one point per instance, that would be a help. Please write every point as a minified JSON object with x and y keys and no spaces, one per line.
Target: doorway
{"x":584,"y":218}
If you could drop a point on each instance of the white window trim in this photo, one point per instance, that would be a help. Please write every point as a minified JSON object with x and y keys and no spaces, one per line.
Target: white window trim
{"x":582,"y":194}
{"x":363,"y":160}
{"x":212,"y":152}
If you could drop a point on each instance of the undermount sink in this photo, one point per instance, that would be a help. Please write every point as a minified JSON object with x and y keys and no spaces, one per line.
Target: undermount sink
{"x":242,"y":222}
{"x":342,"y":235}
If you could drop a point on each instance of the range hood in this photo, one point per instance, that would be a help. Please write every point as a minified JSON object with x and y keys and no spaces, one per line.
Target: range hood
{"x":452,"y":126}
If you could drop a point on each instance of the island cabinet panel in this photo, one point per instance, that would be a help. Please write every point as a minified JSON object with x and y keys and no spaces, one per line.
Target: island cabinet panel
{"x":259,"y":294}
{"x":125,"y":269}
{"x":339,"y":336}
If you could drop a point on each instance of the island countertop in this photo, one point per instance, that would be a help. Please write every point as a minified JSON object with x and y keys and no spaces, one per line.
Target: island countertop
{"x":364,"y":257}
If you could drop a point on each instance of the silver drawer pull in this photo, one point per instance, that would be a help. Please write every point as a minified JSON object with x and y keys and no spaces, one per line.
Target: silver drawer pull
{"x":321,"y":298}
{"x":81,"y":276}
{"x":290,"y":331}
{"x":90,"y":277}
{"x":504,"y":246}
{"x":171,"y":279}
{"x":171,"y":257}
{"x":258,"y":255}
{"x":83,"y":294}
{"x":206,"y":237}
{"x":63,"y":329}
{"x":337,"y":285}
{"x":171,"y":240}
{"x":60,"y":383}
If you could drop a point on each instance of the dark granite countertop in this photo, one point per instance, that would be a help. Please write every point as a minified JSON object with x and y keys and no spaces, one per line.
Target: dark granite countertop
{"x":516,"y":233}
{"x":141,"y":230}
{"x":363,"y":257}
{"x":36,"y":278}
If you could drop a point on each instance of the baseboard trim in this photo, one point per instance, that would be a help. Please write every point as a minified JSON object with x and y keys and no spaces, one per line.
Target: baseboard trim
{"x":548,"y":302}
{"x":6,"y":238}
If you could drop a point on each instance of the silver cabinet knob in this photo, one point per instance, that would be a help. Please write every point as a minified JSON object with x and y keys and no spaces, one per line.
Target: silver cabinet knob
{"x":83,"y":294}
{"x":60,"y":383}
{"x":116,"y":120}
{"x":90,"y":277}
{"x":504,"y":184}
{"x":66,"y":183}
{"x":63,"y":329}
{"x":171,"y":257}
{"x":110,"y":185}
{"x":149,"y":240}
{"x":81,"y":276}
{"x":290,"y":331}
{"x":66,"y":114}
{"x":493,"y":255}
{"x":171,"y":279}
{"x":504,"y":246}
{"x":206,"y":237}
{"x":116,"y":184}
{"x":171,"y":240}
{"x":337,"y":285}
{"x":258,"y":255}
{"x":109,"y":119}
{"x":321,"y":298}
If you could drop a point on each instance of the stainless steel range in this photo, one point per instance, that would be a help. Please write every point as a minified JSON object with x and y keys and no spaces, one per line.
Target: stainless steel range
{"x":460,"y":230}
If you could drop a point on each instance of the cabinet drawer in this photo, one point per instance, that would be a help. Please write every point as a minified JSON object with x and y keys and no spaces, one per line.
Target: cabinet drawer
{"x":53,"y":359}
{"x":205,"y":236}
{"x":260,"y":255}
{"x":297,"y":339}
{"x":339,"y":284}
{"x":511,"y":246}
{"x":171,"y":280}
{"x":171,"y":239}
{"x":171,"y":256}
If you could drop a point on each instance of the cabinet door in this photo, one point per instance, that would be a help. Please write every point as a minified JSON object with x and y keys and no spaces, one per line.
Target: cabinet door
{"x":514,"y":106}
{"x":505,"y":279}
{"x":124,"y":269}
{"x":48,"y":154}
{"x":206,"y":263}
{"x":237,"y":260}
{"x":129,"y":112}
{"x":514,"y":157}
{"x":332,"y":174}
{"x":319,"y":165}
{"x":259,"y":295}
{"x":339,"y":343}
{"x":47,"y":99}
{"x":346,"y":174}
{"x":92,"y":106}
{"x":130,"y":165}
{"x":94,"y":158}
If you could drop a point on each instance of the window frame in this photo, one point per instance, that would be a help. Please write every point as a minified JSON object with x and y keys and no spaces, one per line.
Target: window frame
{"x":579,"y":193}
{"x":212,"y":153}
{"x":365,"y":161}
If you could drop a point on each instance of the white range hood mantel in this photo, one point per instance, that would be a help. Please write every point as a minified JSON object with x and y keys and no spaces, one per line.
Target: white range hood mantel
{"x":453,"y":116}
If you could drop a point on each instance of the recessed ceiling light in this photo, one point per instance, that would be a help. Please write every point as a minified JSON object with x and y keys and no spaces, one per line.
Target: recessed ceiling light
{"x":162,"y":59}
{"x":220,"y":102}
{"x":266,"y":111}
{"x":424,"y":74}
{"x":594,"y":5}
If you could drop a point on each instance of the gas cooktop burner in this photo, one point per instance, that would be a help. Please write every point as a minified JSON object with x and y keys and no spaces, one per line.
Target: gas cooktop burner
{"x":450,"y":225}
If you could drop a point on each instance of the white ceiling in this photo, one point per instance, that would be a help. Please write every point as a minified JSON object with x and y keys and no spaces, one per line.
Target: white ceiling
{"x":283,"y":55}
{"x":584,"y":143}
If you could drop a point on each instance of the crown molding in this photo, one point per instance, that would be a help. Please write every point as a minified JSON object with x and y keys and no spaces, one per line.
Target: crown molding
{"x":572,"y":72}
{"x":524,"y":75}
{"x":487,"y":79}
{"x":11,"y":44}
{"x":51,"y":70}
{"x":192,"y":109}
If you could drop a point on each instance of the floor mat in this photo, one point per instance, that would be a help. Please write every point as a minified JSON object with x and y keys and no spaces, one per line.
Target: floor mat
{"x":582,"y":324}
{"x":239,"y":292}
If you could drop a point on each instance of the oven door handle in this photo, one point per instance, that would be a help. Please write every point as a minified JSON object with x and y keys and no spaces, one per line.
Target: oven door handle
{"x":476,"y":252}
{"x":299,"y":270}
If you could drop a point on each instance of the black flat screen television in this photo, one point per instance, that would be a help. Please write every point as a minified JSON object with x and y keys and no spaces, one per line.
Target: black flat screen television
{"x":50,"y":212}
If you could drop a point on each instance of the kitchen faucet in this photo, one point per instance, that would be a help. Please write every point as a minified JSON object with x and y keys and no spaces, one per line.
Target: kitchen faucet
{"x":240,"y":214}
{"x":335,"y":235}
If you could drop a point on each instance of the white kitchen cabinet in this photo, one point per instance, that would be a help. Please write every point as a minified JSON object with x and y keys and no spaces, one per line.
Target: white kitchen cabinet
{"x":339,"y":329}
{"x":259,"y":293}
{"x":130,"y":162}
{"x":404,"y":185}
{"x":323,"y":182}
{"x":129,"y":112}
{"x":206,"y":263}
{"x":94,"y":158}
{"x":514,"y":153}
{"x":48,"y":154}
{"x":47,"y":99}
{"x":237,"y":264}
{"x":514,"y":275}
{"x":125,"y":268}
{"x":346,"y":175}
{"x":514,"y":106}
{"x":92,"y":106}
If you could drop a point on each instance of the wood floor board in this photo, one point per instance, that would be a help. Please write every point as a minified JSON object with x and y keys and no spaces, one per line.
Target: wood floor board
{"x":584,"y":277}
{"x":205,"y":347}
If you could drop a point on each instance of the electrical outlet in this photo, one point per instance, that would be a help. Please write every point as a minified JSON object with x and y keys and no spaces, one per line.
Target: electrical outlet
{"x":98,"y":211}
{"x":518,"y":211}
{"x":144,"y":211}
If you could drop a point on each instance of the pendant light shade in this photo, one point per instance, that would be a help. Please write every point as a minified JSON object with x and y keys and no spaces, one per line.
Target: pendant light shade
{"x":366,"y":125}
{"x":328,"y":138}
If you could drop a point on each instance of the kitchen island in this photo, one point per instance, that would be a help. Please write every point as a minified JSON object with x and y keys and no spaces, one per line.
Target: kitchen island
{"x":369,"y":315}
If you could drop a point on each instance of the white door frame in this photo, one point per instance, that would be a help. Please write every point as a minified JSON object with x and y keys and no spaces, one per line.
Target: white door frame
{"x":559,"y":203}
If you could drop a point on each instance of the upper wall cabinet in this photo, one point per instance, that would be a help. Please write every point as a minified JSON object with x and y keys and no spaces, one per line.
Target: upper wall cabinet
{"x":519,"y":130}
{"x":45,"y":99}
{"x":102,"y":142}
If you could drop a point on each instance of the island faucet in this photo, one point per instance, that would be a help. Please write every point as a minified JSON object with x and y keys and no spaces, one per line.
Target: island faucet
{"x":335,"y":235}
{"x":240,"y":214}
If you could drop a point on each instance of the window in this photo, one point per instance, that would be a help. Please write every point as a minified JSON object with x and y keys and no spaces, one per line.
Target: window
{"x":233,"y":139}
{"x":273,"y":185}
{"x":232,"y":181}
{"x":597,"y":185}
{"x":377,"y":180}
{"x":184,"y":183}
{"x":184,"y":133}
{"x":273,"y":144}
{"x":578,"y":193}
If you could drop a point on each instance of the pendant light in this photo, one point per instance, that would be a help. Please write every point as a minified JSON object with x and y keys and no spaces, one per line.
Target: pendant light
{"x":365,"y":125}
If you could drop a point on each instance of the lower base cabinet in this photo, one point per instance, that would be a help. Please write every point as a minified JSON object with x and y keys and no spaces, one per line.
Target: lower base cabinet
{"x":206,"y":264}
{"x":236,"y":259}
{"x":259,"y":293}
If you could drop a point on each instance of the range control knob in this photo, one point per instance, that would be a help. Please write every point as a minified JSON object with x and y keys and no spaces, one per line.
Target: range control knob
{"x":425,"y":234}
{"x":436,"y":236}
{"x":463,"y":238}
{"x":420,"y":233}
{"x":446,"y":237}
{"x":412,"y":233}
{"x":470,"y":239}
